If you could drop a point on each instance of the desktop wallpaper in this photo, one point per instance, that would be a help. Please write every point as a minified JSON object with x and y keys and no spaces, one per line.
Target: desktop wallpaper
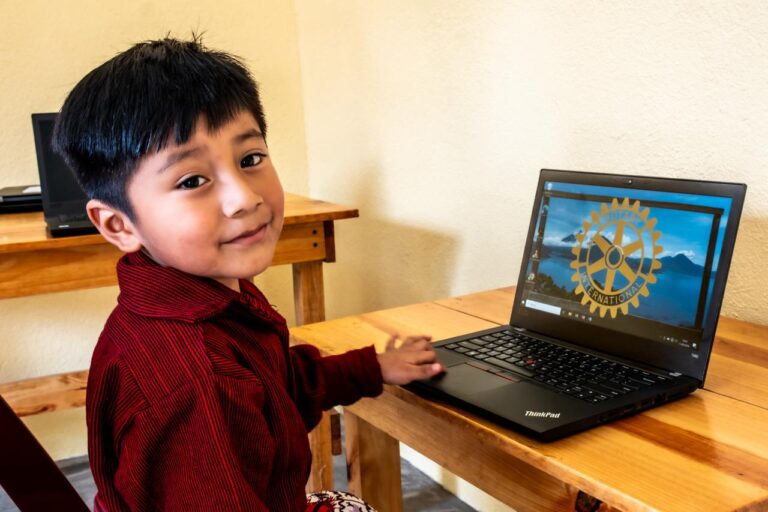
{"x":618,"y":256}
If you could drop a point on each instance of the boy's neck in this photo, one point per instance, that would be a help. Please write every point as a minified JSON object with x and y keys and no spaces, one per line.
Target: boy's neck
{"x":232,"y":283}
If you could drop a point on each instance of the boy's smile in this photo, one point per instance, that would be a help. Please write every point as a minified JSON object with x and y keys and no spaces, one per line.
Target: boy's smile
{"x":211,"y":207}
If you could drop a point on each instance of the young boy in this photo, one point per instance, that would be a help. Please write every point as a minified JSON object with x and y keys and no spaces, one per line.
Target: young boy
{"x":195,"y":400}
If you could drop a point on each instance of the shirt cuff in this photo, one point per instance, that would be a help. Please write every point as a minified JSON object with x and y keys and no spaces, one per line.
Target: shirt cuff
{"x":351,"y":376}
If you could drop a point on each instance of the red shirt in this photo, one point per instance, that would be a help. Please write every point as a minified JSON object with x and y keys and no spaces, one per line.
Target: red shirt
{"x":196,"y":402}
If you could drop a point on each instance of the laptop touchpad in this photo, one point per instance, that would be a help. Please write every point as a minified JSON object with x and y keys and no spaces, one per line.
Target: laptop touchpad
{"x":464,"y":380}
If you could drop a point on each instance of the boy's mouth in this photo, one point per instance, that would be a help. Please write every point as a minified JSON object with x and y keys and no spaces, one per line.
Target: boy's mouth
{"x":250,"y":237}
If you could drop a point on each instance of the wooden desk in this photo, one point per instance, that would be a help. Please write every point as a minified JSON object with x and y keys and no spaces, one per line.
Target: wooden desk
{"x":707,"y":452}
{"x":32,"y":263}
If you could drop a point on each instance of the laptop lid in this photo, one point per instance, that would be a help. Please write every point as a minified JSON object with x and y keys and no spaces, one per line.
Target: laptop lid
{"x":61,"y":192}
{"x":629,"y":266}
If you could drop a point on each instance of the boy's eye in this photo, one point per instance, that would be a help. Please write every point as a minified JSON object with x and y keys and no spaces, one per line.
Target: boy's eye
{"x":192,"y":182}
{"x":252,"y":160}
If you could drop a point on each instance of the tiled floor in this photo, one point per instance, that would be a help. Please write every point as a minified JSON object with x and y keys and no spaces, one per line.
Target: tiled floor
{"x":420,"y":493}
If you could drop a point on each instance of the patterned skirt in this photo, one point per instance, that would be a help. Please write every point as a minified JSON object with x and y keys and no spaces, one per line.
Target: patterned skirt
{"x":336,"y":501}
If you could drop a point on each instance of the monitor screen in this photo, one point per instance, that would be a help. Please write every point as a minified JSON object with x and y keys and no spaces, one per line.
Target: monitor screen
{"x":632,"y":261}
{"x":56,"y":178}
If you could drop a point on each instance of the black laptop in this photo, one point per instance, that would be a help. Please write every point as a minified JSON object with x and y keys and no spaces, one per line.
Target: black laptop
{"x":25,"y":198}
{"x":616,"y":307}
{"x":63,"y":198}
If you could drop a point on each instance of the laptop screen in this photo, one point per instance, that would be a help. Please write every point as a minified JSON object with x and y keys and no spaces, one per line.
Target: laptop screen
{"x":637,"y":262}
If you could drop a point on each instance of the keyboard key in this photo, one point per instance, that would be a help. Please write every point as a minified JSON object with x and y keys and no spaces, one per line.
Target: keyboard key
{"x":482,"y":366}
{"x":620,"y":388}
{"x":503,"y":364}
{"x":602,"y":390}
{"x":636,"y":382}
{"x":469,"y":345}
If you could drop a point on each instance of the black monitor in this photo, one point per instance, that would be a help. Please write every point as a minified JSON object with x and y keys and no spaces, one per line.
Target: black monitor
{"x":63,"y":199}
{"x":60,"y":188}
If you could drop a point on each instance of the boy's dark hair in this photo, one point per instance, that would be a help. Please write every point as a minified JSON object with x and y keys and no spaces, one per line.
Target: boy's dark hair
{"x":135,"y":102}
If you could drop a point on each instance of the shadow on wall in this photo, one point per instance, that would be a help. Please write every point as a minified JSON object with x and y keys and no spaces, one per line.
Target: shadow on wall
{"x":383,"y":262}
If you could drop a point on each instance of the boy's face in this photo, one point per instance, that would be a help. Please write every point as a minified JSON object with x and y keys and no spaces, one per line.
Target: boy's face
{"x":211,"y":207}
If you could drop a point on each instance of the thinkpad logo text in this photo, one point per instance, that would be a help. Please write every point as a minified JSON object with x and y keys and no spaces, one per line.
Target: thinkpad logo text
{"x":542,"y":414}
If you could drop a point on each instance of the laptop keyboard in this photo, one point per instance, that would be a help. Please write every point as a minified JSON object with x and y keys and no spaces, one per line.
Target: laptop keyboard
{"x":585,"y":376}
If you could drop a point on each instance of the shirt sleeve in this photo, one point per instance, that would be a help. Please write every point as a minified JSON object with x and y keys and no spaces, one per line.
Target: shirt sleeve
{"x":324,"y":382}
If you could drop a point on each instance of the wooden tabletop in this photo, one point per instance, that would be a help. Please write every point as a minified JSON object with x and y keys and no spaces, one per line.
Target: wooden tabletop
{"x":708,"y":451}
{"x":27,"y":231}
{"x":32,"y":262}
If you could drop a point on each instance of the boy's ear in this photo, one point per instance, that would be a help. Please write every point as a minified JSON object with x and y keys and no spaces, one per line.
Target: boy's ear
{"x":114,"y":225}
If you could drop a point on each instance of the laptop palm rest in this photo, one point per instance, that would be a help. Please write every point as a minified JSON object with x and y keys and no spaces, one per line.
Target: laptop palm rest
{"x":519,"y":402}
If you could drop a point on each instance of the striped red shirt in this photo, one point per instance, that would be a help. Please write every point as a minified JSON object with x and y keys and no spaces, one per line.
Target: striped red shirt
{"x":196,"y":402}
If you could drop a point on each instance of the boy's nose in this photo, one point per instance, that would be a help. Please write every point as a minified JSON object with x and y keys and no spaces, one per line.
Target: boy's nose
{"x":238,"y":196}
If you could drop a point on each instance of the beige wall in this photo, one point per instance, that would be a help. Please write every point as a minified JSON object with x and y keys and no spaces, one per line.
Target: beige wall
{"x":435,"y":116}
{"x":45,"y":48}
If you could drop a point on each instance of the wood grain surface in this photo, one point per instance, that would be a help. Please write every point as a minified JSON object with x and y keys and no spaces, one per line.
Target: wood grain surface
{"x":708,"y":451}
{"x":27,"y":231}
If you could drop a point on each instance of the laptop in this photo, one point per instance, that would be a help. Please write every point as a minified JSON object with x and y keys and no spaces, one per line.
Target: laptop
{"x":25,"y":198}
{"x":616,"y":305}
{"x":63,"y":198}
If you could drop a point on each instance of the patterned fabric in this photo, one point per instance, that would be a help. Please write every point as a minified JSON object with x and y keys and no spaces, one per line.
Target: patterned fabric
{"x":336,"y":501}
{"x":196,"y":402}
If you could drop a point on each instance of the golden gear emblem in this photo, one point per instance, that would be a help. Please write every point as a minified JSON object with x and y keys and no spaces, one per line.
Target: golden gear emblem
{"x":615,"y":257}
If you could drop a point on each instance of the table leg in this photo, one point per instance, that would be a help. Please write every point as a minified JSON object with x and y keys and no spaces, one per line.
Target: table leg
{"x":308,"y":293}
{"x":373,"y":464}
{"x":321,"y":475}
{"x":309,"y":300}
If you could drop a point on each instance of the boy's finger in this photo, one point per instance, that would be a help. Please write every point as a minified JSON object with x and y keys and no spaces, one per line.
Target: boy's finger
{"x":410,"y":340}
{"x":430,"y":370}
{"x":391,"y":343}
{"x":423,"y":357}
{"x":417,"y":344}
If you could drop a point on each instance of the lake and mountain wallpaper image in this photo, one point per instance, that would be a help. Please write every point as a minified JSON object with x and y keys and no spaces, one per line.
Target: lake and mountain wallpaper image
{"x":662,"y":249}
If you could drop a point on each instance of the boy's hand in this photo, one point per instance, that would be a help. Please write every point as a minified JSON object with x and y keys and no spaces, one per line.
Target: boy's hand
{"x":414,"y":359}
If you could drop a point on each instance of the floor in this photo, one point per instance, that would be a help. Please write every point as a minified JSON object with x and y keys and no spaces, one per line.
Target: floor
{"x":420,"y":493}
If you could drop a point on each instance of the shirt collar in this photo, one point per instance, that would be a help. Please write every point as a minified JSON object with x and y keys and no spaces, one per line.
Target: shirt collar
{"x":150,"y":289}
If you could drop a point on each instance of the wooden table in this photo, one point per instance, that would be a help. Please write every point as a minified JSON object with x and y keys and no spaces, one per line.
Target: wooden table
{"x":707,"y":452}
{"x":31,"y":262}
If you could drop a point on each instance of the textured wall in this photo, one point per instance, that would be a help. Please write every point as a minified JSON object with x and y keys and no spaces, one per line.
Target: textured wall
{"x":45,"y":48}
{"x":434,"y":118}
